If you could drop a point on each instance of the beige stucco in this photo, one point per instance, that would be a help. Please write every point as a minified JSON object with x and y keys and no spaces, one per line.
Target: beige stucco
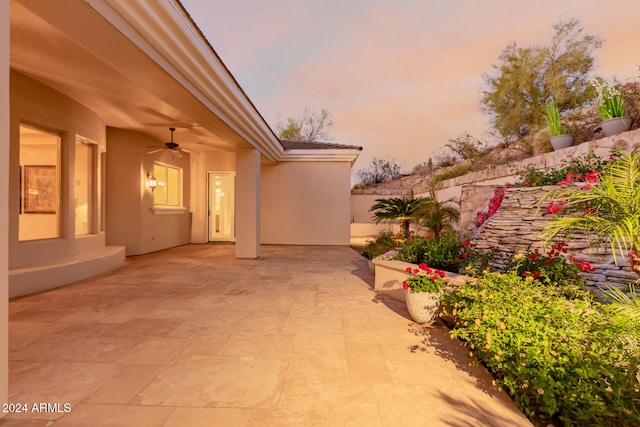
{"x":248,"y":203}
{"x":4,"y":195}
{"x":41,"y":264}
{"x":306,"y":203}
{"x":131,"y":222}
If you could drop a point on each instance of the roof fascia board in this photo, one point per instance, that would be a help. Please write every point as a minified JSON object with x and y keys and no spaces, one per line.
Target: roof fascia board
{"x":321,"y":155}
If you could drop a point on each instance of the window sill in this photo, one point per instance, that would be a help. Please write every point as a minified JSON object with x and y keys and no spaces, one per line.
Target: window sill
{"x":168,"y":210}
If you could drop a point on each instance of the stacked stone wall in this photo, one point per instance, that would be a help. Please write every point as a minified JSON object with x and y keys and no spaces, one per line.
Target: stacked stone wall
{"x":518,"y":225}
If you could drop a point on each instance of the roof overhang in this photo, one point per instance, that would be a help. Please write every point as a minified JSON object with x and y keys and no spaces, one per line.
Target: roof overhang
{"x":321,"y":155}
{"x":139,"y":65}
{"x":145,"y":66}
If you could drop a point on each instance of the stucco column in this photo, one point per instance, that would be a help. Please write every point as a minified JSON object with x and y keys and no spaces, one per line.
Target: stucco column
{"x":247,"y":203}
{"x":4,"y":195}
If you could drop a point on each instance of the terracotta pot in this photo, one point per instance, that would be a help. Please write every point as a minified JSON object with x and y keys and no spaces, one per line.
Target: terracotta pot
{"x":616,"y":125}
{"x":561,"y":141}
{"x":423,"y":306}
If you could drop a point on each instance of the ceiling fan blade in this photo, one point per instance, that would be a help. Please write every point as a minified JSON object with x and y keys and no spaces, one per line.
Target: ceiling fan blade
{"x":155,"y":151}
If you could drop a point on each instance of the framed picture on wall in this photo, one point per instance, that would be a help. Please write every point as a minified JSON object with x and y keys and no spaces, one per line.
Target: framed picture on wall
{"x":40,"y":189}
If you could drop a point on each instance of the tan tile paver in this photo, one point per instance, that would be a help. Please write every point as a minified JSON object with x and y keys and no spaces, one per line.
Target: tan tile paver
{"x":193,"y":337}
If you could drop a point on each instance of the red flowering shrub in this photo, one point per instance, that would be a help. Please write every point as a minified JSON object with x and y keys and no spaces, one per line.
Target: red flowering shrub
{"x":552,"y":268}
{"x":494,"y":205}
{"x":424,"y":279}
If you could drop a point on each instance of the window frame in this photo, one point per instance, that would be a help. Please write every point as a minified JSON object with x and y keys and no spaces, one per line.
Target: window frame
{"x":165,"y":208}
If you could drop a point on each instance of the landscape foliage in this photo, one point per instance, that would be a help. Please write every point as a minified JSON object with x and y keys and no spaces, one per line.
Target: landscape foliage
{"x":560,"y":357}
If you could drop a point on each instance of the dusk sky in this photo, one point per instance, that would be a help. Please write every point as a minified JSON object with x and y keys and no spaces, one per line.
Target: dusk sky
{"x":400,"y":78}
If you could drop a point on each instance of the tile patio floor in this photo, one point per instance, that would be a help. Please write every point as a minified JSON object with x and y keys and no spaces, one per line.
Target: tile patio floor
{"x":193,"y":337}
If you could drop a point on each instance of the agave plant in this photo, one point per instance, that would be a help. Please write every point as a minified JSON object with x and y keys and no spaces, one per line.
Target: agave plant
{"x":608,"y":209}
{"x":397,"y":209}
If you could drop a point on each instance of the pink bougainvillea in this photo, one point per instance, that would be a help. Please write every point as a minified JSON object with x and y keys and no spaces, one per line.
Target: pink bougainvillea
{"x":494,"y":205}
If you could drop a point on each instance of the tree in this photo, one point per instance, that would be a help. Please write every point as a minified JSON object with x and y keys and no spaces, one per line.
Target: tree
{"x":526,"y":76}
{"x":310,"y":126}
{"x":466,"y":146}
{"x":424,"y":167}
{"x":379,"y":171}
{"x":437,"y":215}
{"x":396,"y":209}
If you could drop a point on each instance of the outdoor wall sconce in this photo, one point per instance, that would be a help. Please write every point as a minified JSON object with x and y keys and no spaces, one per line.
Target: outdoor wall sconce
{"x":152,"y":181}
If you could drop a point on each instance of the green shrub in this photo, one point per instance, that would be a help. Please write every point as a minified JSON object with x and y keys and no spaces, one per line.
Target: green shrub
{"x":453,"y":172}
{"x":560,"y":359}
{"x":441,"y":251}
{"x":474,"y":261}
{"x":576,"y":167}
{"x":384,"y":242}
{"x":552,"y":269}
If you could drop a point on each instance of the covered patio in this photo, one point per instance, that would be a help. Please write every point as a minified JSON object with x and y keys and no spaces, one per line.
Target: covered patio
{"x":192,"y":336}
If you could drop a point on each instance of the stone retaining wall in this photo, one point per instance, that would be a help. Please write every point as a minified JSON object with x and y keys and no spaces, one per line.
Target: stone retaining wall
{"x":518,"y":223}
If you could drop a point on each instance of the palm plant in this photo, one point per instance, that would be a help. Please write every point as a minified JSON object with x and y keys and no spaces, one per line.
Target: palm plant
{"x":437,"y":215}
{"x":397,"y":209}
{"x":610,"y":208}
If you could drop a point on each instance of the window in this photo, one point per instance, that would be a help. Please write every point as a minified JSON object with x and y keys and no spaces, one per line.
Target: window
{"x":169,"y":190}
{"x":39,"y":184}
{"x":83,"y":188}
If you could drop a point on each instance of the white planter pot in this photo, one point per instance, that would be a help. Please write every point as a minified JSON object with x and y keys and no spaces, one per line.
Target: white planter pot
{"x":423,"y":306}
{"x":561,"y":141}
{"x":616,"y":125}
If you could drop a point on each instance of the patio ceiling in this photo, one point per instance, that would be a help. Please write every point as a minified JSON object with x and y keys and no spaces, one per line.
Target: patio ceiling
{"x":139,"y":67}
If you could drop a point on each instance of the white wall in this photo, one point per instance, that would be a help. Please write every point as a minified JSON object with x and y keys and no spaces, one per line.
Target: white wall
{"x":130,"y":219}
{"x":40,"y":106}
{"x":306,"y":203}
{"x":4,"y":195}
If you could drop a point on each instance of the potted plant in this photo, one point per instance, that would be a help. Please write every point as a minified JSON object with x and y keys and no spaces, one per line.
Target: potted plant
{"x":559,"y":139}
{"x":611,"y":105}
{"x":424,"y":288}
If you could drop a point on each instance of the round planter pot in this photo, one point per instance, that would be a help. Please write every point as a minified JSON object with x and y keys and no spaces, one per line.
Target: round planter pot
{"x":372,"y":268}
{"x":561,"y":141}
{"x":423,"y":306}
{"x":616,"y":125}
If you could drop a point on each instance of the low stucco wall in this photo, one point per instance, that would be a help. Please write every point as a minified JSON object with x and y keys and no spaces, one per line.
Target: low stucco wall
{"x":390,"y":274}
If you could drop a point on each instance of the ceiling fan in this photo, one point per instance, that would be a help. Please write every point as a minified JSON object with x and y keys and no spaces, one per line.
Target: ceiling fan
{"x":173,"y":147}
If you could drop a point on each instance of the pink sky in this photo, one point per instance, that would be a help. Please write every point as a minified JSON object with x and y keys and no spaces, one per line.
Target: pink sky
{"x":400,"y":78}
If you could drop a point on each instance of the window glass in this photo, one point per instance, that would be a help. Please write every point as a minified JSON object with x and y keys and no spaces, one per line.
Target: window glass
{"x":83,"y":186}
{"x":169,"y":189}
{"x":173,"y":186}
{"x":39,"y":184}
{"x":160,"y":194}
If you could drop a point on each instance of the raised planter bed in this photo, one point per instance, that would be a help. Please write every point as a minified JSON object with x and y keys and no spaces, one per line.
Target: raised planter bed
{"x":391,"y":273}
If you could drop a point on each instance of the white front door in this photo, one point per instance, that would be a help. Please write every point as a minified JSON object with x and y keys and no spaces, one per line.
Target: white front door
{"x":222,"y":206}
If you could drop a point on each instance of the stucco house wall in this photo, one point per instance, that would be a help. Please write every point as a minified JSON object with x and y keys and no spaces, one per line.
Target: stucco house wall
{"x":35,"y":263}
{"x":4,"y":195}
{"x":305,"y":203}
{"x":130,"y":218}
